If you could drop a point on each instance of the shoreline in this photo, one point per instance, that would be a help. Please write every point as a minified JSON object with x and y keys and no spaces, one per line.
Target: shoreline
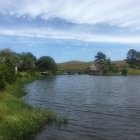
{"x":18,"y":120}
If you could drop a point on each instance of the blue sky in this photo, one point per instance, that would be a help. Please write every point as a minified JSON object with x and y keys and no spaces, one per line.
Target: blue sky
{"x":70,"y":29}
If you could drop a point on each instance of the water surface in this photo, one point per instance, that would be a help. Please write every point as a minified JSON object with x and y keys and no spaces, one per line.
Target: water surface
{"x":98,"y":107}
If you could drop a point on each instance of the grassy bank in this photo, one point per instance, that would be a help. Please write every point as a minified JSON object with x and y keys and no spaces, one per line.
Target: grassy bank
{"x":18,"y":120}
{"x":133,"y":71}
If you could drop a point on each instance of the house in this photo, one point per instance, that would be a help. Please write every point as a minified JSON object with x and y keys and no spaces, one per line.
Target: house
{"x":94,"y":70}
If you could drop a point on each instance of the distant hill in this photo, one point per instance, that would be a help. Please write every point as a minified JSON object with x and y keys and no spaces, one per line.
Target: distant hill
{"x":73,"y":65}
{"x":80,"y":65}
{"x":120,"y":63}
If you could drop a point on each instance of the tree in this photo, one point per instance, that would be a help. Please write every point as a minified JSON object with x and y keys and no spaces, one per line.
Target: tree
{"x":6,"y":52}
{"x":100,"y":58}
{"x":29,"y":55}
{"x":27,"y":62}
{"x":101,"y":62}
{"x":104,"y":64}
{"x":9,"y":58}
{"x":46,"y":63}
{"x":131,"y":56}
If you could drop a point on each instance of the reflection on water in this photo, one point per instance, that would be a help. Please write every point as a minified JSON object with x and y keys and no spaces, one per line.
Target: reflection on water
{"x":98,"y":107}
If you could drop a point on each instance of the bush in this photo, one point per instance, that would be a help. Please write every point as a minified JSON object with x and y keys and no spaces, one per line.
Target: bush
{"x":2,"y":84}
{"x":7,"y":75}
{"x":46,"y":63}
{"x":124,"y":71}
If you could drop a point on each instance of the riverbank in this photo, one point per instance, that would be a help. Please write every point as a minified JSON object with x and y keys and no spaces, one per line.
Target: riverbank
{"x":17,"y":119}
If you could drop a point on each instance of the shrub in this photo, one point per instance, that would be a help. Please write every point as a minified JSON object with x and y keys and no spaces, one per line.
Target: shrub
{"x":2,"y":84}
{"x":124,"y":71}
{"x":7,"y":75}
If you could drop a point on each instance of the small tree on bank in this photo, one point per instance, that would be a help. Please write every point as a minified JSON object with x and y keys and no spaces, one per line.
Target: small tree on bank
{"x":46,"y":63}
{"x":100,"y":58}
{"x":104,"y":64}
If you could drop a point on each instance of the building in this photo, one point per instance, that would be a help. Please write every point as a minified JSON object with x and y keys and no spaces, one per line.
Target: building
{"x":94,"y":70}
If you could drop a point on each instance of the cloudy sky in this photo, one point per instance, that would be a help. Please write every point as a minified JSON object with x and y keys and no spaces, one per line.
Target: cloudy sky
{"x":70,"y":29}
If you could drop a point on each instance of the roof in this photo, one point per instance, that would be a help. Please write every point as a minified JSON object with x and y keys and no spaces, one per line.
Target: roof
{"x":93,"y":67}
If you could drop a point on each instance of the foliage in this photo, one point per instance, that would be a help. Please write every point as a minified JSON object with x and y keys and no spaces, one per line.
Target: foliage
{"x":133,"y":58}
{"x":24,"y":62}
{"x":100,"y":61}
{"x":27,"y":62}
{"x":9,"y":57}
{"x":46,"y":63}
{"x":29,"y":55}
{"x":100,"y":58}
{"x":7,"y":75}
{"x":17,"y":119}
{"x":104,"y":64}
{"x":131,"y":55}
{"x":124,"y":71}
{"x":7,"y":72}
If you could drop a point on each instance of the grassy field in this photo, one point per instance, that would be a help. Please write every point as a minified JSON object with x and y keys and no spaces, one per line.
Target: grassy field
{"x":74,"y":65}
{"x":133,"y":71}
{"x":18,"y":120}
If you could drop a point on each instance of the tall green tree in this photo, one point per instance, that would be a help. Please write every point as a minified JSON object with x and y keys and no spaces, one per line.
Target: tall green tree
{"x":104,"y":64}
{"x":100,"y":58}
{"x":131,"y":56}
{"x":46,"y":63}
{"x":27,"y":62}
{"x":9,"y":57}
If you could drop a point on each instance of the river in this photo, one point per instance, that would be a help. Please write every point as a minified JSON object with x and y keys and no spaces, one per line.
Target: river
{"x":98,"y":107}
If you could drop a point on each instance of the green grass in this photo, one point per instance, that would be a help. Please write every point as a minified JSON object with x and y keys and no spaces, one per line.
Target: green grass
{"x":73,"y":65}
{"x":18,"y":120}
{"x":133,"y":71}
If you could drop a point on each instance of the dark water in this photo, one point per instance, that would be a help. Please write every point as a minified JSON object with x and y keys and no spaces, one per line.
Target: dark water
{"x":98,"y":108}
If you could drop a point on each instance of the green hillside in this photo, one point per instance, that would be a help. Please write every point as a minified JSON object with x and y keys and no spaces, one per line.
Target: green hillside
{"x":74,"y":65}
{"x":80,"y":65}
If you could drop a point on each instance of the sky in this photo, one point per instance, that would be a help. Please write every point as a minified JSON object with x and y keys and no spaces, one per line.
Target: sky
{"x":70,"y":29}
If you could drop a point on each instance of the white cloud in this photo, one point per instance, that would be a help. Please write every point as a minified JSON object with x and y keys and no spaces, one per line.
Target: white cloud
{"x":122,"y":13}
{"x":118,"y":13}
{"x":87,"y":37}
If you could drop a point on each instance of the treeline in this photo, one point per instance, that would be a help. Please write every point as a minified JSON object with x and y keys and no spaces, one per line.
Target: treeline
{"x":13,"y":65}
{"x":105,"y":66}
